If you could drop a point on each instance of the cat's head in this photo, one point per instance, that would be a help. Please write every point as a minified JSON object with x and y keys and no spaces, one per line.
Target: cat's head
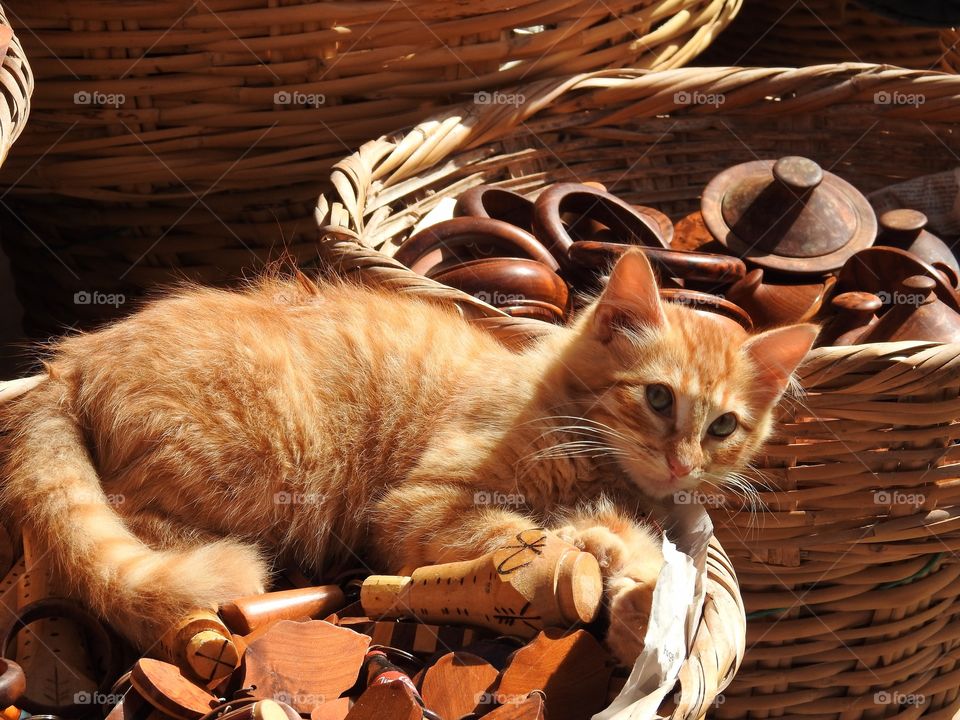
{"x":680,"y":398}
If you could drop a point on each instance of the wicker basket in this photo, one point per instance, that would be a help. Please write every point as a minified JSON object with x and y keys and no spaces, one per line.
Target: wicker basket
{"x":850,"y":578}
{"x":787,"y":32}
{"x":16,"y":87}
{"x":190,"y":139}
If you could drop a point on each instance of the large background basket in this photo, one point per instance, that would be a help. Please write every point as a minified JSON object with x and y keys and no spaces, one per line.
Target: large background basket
{"x":850,"y":577}
{"x":189,"y":139}
{"x":810,"y":32}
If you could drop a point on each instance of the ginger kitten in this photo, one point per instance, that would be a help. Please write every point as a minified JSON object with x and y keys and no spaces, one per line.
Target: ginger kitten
{"x":171,"y":457}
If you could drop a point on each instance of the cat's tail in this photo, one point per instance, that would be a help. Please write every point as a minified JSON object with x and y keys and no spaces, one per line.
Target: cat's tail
{"x":50,"y":482}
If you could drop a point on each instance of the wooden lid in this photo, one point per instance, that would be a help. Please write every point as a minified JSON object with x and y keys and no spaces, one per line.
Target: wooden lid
{"x":788,"y":215}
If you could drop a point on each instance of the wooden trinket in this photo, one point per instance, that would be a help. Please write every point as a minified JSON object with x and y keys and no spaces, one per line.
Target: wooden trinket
{"x":306,"y":663}
{"x":706,"y":267}
{"x":498,"y":203}
{"x":572,"y":670}
{"x":13,"y":683}
{"x":535,"y":582}
{"x":417,"y":638}
{"x":202,"y":646}
{"x":457,"y":684}
{"x":881,"y":270}
{"x":246,"y":614}
{"x":532,"y":707}
{"x":433,"y":245}
{"x":771,"y":305}
{"x":337,"y":709}
{"x":393,"y":700}
{"x":916,"y":314}
{"x":510,"y":282}
{"x":691,"y":233}
{"x":854,"y":313}
{"x":788,"y":215}
{"x":164,"y":686}
{"x":906,"y":229}
{"x":711,"y":306}
{"x":628,"y":224}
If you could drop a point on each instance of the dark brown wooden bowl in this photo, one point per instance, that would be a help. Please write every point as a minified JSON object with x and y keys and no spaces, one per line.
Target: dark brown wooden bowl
{"x":508,"y":282}
{"x":681,"y":264}
{"x":630,"y":225}
{"x":484,"y":235}
{"x":488,"y":201}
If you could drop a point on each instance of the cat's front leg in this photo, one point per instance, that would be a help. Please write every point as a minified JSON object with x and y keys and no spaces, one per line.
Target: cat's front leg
{"x":630,"y":559}
{"x":425,"y":523}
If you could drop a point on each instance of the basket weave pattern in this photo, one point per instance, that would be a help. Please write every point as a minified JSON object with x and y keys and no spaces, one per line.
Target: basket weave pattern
{"x":810,"y":32}
{"x":191,"y":138}
{"x":850,"y":574}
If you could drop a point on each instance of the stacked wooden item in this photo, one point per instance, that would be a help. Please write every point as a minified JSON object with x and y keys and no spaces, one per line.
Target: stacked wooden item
{"x":774,"y":242}
{"x":509,"y":635}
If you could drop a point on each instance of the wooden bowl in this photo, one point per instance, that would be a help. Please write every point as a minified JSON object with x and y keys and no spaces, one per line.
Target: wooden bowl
{"x":424,"y":249}
{"x":510,"y":282}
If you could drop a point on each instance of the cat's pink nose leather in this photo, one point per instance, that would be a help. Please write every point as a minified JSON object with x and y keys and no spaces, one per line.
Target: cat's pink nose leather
{"x":677,"y":468}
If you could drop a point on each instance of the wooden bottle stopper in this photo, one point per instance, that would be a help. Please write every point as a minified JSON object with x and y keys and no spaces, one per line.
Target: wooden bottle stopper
{"x":201,"y":646}
{"x":537,"y":581}
{"x":246,"y":614}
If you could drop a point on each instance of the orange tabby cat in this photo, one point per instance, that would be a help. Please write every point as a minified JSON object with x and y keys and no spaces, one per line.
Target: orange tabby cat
{"x":172,"y":456}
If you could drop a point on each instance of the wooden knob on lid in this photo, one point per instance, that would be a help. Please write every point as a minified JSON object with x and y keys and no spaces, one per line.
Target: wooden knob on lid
{"x":798,"y":174}
{"x":901,"y":227}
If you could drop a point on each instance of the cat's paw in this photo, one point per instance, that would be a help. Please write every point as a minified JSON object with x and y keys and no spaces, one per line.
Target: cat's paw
{"x":630,"y":605}
{"x":609,"y":548}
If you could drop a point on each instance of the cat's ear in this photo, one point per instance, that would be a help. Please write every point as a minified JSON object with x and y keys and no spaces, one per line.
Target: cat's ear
{"x":631,"y":297}
{"x":776,"y":354}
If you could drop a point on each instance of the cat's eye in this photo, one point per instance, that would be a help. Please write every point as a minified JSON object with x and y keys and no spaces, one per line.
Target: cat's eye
{"x":660,"y":398}
{"x":723,"y":426}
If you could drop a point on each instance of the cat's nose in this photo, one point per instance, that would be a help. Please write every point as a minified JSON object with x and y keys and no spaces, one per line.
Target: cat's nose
{"x":677,"y":467}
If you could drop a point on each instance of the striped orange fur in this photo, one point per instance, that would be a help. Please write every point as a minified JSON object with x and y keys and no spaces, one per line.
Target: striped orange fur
{"x":172,"y":458}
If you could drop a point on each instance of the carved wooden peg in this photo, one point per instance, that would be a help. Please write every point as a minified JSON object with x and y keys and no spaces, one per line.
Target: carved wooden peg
{"x":534,"y":582}
{"x":246,"y":614}
{"x":201,"y":646}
